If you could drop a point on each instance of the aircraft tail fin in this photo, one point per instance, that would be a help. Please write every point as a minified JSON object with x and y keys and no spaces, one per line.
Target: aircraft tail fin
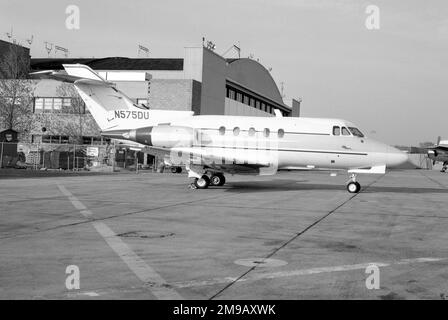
{"x":111,"y":108}
{"x":102,"y":98}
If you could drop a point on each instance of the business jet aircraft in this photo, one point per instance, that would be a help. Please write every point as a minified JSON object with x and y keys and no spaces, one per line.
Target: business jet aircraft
{"x":439,"y":153}
{"x":211,"y":145}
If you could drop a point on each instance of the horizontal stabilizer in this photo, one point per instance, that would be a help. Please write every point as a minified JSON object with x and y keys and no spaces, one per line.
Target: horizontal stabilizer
{"x":65,"y":77}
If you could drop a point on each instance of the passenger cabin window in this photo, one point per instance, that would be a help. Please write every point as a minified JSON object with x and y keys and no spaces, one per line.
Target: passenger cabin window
{"x":236,"y":131}
{"x":222,"y":131}
{"x":356,"y":132}
{"x":251,"y":132}
{"x":336,"y":130}
{"x":345,"y":131}
{"x":281,"y":133}
{"x":266,"y":132}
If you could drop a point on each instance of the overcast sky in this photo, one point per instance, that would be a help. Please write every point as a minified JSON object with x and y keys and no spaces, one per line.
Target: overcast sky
{"x":392,"y":82}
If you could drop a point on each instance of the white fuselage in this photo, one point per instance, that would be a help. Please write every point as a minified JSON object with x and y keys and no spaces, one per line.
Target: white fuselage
{"x":307,"y":143}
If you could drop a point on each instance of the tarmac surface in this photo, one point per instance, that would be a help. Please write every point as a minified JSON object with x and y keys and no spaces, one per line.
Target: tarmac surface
{"x":296,"y":235}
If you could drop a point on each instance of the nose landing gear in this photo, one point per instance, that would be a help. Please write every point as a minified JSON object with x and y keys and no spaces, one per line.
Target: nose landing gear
{"x":353,"y":186}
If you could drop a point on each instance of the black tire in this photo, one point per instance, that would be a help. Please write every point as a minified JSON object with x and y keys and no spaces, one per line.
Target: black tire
{"x":217,"y":179}
{"x":353,"y":187}
{"x":179,"y":170}
{"x":173,"y":169}
{"x":202,"y":183}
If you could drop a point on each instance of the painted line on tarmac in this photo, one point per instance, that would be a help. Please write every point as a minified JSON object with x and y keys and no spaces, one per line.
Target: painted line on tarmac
{"x":294,"y":237}
{"x":157,"y":285}
{"x":300,"y":272}
{"x":433,"y":180}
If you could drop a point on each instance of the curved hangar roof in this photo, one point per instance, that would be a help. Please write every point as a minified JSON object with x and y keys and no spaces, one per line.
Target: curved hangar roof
{"x":251,"y":74}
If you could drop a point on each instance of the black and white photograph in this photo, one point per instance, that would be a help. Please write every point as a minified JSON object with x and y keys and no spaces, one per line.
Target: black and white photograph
{"x":240,"y":152}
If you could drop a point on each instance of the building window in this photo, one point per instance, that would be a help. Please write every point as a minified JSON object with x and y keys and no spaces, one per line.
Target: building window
{"x":239,"y":97}
{"x":281,"y":133}
{"x":266,"y":132}
{"x":67,"y":102}
{"x":46,"y":139}
{"x":38,"y":104}
{"x":53,"y":139}
{"x":257,"y":104}
{"x":222,"y":131}
{"x":236,"y":131}
{"x":57,"y":104}
{"x":87,"y":140}
{"x":251,"y":132}
{"x":51,"y":104}
{"x":231,"y":94}
{"x":246,"y":99}
{"x":48,"y":104}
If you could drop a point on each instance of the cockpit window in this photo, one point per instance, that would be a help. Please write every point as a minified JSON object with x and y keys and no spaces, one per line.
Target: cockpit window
{"x":336,"y":130}
{"x":345,"y":131}
{"x":356,"y":132}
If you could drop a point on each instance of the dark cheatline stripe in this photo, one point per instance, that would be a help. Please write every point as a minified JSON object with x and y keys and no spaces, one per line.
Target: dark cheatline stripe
{"x":286,"y":150}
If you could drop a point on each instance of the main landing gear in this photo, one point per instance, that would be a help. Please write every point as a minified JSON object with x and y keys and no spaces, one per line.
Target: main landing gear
{"x":445,"y":166}
{"x":215,"y":179}
{"x":353,"y":186}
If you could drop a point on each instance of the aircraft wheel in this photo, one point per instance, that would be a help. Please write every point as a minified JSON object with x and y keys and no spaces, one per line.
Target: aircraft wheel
{"x":202,"y":183}
{"x":178,"y":169}
{"x":217,"y":179}
{"x":173,"y":169}
{"x":353,"y":187}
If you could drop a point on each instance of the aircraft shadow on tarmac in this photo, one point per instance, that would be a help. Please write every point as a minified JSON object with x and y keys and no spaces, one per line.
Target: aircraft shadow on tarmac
{"x":301,"y":185}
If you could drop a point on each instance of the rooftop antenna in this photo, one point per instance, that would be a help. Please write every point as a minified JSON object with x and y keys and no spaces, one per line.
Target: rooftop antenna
{"x":48,"y":47}
{"x":235,"y":48}
{"x":143,"y":49}
{"x":208,"y":44}
{"x":9,"y":34}
{"x":64,"y":50}
{"x":30,"y":41}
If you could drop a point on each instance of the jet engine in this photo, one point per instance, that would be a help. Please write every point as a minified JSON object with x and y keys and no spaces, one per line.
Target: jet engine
{"x":163,"y":136}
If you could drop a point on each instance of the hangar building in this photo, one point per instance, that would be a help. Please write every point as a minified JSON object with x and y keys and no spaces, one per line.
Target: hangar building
{"x":202,"y":81}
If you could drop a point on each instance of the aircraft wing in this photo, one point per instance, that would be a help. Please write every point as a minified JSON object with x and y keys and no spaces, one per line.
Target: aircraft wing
{"x":242,"y":162}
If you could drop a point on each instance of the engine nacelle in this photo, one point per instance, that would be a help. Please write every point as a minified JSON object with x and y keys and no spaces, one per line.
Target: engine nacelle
{"x":163,"y":136}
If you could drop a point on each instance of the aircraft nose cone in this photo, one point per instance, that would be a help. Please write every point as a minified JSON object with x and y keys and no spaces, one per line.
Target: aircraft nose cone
{"x":395,"y":157}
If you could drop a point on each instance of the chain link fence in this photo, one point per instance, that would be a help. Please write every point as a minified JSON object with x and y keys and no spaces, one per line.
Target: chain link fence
{"x":75,"y":157}
{"x":39,"y":156}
